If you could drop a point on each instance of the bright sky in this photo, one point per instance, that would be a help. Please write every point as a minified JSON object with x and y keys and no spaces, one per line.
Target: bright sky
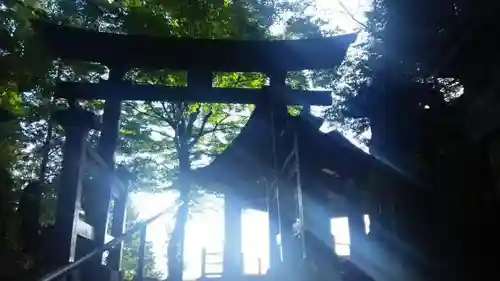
{"x":205,"y":227}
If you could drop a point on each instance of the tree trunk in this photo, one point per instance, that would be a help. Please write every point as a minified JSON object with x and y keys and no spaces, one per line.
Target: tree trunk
{"x":176,"y":244}
{"x":175,"y":251}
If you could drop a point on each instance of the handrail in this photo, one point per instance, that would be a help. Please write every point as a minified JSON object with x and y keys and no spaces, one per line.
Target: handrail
{"x":108,"y":246}
{"x":205,"y":262}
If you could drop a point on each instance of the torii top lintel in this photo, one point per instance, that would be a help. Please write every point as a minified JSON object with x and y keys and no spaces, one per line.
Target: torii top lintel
{"x":221,"y":55}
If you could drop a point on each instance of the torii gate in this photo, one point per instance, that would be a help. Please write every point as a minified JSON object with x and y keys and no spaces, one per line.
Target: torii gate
{"x":120,"y":53}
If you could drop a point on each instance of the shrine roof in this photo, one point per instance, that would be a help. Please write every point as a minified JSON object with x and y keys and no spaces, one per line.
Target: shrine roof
{"x":193,"y":54}
{"x":327,"y":156}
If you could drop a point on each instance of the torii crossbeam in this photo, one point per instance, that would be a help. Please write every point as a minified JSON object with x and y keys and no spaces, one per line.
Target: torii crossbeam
{"x":199,"y":57}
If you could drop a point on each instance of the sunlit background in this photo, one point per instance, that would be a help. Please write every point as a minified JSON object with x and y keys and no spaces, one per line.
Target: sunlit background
{"x":205,"y":227}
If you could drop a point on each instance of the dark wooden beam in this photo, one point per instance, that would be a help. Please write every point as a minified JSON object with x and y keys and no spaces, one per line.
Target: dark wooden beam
{"x":106,"y":146}
{"x":143,"y":51}
{"x":128,"y":91}
{"x":70,"y":191}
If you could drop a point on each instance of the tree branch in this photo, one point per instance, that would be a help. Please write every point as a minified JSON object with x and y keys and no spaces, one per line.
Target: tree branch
{"x":142,"y":112}
{"x":204,"y":132}
{"x":192,"y":118}
{"x":171,"y":121}
{"x":202,"y":129}
{"x":177,"y":109}
{"x":163,"y":117}
{"x":163,"y":133}
{"x":352,"y":16}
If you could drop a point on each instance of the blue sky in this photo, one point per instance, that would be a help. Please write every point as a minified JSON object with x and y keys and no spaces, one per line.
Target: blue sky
{"x":206,"y":225}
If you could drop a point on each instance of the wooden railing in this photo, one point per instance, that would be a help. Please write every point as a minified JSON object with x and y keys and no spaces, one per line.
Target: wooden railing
{"x":97,"y":253}
{"x":206,"y":261}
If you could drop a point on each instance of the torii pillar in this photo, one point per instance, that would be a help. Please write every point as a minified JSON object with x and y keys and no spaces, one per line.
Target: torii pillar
{"x":232,"y":259}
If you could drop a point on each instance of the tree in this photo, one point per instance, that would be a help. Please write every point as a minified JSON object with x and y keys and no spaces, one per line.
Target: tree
{"x":14,"y":78}
{"x":9,"y":149}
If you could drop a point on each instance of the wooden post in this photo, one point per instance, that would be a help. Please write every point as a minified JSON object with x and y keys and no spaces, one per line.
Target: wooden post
{"x":119,"y":220}
{"x":106,"y":147}
{"x":117,"y":228}
{"x":273,"y":218}
{"x":98,"y":215}
{"x":299,"y":204}
{"x":356,"y":221}
{"x":276,"y":82}
{"x":203,"y":262}
{"x":77,"y":125}
{"x":284,"y":199}
{"x":141,"y":254}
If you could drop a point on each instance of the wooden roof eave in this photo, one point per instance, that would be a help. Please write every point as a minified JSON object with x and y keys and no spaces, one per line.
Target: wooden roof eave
{"x":243,"y":162}
{"x":334,"y":152}
{"x":240,"y":165}
{"x":143,"y":51}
